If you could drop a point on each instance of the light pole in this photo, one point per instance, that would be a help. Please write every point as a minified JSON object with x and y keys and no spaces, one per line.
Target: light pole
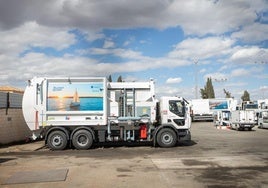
{"x":262,"y":63}
{"x":196,"y":79}
{"x":221,"y":80}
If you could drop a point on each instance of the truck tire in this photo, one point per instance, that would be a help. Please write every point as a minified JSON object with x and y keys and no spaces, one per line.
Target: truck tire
{"x":57,"y":140}
{"x":82,"y":140}
{"x":166,"y":138}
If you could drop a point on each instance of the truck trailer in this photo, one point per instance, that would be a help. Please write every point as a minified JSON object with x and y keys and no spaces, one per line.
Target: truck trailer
{"x":242,"y":119}
{"x":200,"y":110}
{"x":80,"y":111}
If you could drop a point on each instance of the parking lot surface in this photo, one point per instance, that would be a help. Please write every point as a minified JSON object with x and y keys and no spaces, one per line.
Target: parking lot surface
{"x":214,"y":158}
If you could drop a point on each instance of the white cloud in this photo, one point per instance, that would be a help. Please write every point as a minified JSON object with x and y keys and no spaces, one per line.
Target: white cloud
{"x":33,"y":64}
{"x":92,"y":35}
{"x":108,"y":44}
{"x":137,"y":61}
{"x":204,"y":16}
{"x":206,"y":25}
{"x":240,"y":72}
{"x":249,"y":55}
{"x":174,"y":80}
{"x":264,"y":88}
{"x":245,"y":53}
{"x":202,"y":48}
{"x":31,"y":34}
{"x":129,"y":41}
{"x":195,"y":17}
{"x":255,"y":32}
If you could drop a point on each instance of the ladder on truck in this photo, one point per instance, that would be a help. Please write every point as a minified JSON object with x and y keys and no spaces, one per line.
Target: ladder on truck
{"x":127,"y":106}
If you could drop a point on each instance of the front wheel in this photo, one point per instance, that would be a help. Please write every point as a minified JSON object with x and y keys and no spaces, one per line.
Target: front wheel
{"x":166,"y":138}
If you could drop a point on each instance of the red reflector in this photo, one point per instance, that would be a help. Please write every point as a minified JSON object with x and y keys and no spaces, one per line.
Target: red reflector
{"x":143,"y":131}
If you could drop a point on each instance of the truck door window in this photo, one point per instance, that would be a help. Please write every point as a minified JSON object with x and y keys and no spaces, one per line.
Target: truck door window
{"x":177,"y":107}
{"x":265,"y":115}
{"x":226,"y":116}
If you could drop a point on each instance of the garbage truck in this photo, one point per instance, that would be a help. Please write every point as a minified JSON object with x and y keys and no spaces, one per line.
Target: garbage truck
{"x":80,"y":111}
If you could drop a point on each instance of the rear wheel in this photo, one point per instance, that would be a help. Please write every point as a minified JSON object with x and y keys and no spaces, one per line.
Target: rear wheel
{"x":166,"y":138}
{"x":57,"y":140}
{"x":82,"y":140}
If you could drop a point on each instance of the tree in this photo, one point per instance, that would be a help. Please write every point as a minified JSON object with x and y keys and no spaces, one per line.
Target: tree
{"x":245,"y":96}
{"x":110,"y":78}
{"x":227,"y":94}
{"x":119,"y":79}
{"x":208,"y":91}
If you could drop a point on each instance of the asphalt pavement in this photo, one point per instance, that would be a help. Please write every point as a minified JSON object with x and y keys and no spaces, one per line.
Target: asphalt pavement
{"x":215,"y":158}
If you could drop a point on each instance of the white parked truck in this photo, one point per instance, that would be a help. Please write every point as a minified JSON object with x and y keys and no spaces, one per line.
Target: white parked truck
{"x":79,"y":112}
{"x":205,"y":109}
{"x":263,"y":119}
{"x":241,"y":119}
{"x":200,"y":110}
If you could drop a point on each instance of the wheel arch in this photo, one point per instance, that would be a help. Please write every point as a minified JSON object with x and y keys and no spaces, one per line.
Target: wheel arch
{"x":83,"y":128}
{"x":65,"y":131}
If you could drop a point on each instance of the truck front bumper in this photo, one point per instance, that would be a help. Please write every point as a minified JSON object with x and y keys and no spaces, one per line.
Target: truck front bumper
{"x":246,"y":125}
{"x":184,"y":136}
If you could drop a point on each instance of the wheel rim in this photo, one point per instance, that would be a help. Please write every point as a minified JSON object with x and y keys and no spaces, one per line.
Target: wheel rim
{"x":57,"y":140}
{"x":82,"y":140}
{"x":167,"y":138}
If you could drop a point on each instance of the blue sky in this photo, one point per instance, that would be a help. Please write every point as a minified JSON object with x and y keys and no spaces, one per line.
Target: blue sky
{"x":139,"y":40}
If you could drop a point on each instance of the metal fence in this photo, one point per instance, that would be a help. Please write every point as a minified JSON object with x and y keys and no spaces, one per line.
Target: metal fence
{"x":10,"y":100}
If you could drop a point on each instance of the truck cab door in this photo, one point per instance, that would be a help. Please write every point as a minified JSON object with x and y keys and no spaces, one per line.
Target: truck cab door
{"x":177,"y":112}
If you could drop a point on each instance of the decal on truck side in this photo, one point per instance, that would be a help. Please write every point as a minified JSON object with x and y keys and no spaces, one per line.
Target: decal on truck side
{"x":75,"y":96}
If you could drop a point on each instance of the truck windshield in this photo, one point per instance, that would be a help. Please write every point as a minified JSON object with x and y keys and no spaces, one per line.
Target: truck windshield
{"x":251,"y":106}
{"x":177,"y":107}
